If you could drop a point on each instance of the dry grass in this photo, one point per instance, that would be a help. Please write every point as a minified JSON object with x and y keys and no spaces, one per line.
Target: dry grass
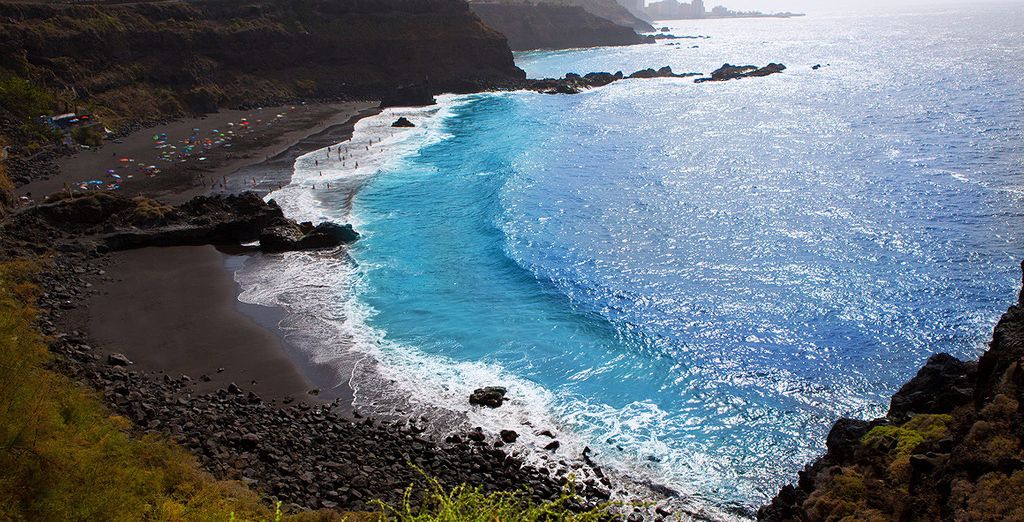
{"x":63,"y":456}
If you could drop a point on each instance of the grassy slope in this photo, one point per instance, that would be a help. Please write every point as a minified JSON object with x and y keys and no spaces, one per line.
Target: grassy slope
{"x":64,"y":457}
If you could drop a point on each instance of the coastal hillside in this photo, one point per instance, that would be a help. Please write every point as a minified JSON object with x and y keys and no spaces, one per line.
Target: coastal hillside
{"x":948,"y":449}
{"x":549,"y":26}
{"x":142,"y":62}
{"x":609,"y":10}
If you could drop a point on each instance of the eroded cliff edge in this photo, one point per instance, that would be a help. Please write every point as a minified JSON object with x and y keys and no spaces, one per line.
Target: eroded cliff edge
{"x":531,"y":26}
{"x":948,"y":449}
{"x":147,"y":61}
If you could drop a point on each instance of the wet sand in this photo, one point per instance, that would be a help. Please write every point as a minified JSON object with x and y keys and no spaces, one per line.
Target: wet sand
{"x":176,"y":311}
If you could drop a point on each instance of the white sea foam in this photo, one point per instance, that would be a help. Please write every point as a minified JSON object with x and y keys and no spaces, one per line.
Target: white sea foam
{"x":330,"y":325}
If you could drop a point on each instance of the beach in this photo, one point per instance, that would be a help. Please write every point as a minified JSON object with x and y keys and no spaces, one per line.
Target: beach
{"x":228,"y":149}
{"x":175,"y":311}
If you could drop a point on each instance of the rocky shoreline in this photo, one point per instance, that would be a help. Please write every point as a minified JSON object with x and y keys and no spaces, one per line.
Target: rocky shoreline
{"x":951,"y":446}
{"x":306,"y":453}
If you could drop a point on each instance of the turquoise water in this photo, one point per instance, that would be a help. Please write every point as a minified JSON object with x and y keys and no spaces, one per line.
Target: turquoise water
{"x":697,"y":280}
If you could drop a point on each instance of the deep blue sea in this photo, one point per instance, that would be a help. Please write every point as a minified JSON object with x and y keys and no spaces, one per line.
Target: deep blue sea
{"x":694,"y":281}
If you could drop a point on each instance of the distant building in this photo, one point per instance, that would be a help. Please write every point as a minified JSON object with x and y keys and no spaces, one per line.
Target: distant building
{"x":675,"y":10}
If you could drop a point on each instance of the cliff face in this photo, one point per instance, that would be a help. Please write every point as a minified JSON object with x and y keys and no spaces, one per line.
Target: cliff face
{"x":949,"y":449}
{"x":609,"y":10}
{"x":143,"y":61}
{"x":547,"y":26}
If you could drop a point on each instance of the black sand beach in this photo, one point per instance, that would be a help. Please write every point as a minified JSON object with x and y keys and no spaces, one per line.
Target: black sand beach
{"x":174,"y":310}
{"x":270,"y":141}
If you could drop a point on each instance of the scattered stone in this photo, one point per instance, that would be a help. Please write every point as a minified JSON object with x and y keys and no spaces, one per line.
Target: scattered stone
{"x":118,"y":359}
{"x":509,"y":436}
{"x":277,"y":449}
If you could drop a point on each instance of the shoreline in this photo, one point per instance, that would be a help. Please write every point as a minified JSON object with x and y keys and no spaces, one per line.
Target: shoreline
{"x":218,"y":376}
{"x":389,"y":400}
{"x":187,"y":297}
{"x":214,"y":269}
{"x":192,"y":155}
{"x":264,"y":323}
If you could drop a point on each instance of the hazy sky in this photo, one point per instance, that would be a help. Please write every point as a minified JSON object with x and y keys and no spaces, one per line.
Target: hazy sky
{"x":817,"y":6}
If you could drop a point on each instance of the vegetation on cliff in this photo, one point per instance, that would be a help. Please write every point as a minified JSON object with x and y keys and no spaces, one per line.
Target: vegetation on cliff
{"x":147,"y":61}
{"x":950,"y":447}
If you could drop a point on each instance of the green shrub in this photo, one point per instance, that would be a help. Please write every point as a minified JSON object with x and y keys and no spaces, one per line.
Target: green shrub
{"x":87,"y":136}
{"x":22,"y":98}
{"x":64,"y":457}
{"x":906,"y":438}
{"x":996,"y":496}
{"x":467,"y":503}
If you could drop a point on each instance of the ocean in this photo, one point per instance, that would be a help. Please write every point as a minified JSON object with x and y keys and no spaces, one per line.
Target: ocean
{"x":693,"y":280}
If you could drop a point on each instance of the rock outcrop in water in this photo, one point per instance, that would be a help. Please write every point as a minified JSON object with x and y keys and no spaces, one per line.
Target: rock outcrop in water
{"x":490,"y":396}
{"x":574,"y":83}
{"x":735,"y":72}
{"x":546,"y":26}
{"x":950,"y":447}
{"x":286,"y":236}
{"x":403,"y":122}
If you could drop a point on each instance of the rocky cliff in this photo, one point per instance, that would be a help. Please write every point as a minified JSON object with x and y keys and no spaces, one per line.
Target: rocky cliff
{"x":609,"y":10}
{"x":150,"y":60}
{"x":548,"y":26}
{"x":949,"y":448}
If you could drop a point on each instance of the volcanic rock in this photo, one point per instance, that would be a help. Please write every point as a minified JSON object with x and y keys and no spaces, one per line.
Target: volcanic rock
{"x":118,"y":359}
{"x":733,"y":72}
{"x":490,"y":396}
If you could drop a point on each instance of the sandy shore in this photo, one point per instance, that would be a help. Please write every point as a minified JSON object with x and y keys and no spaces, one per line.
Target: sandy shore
{"x":175,"y":310}
{"x":229,"y":149}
